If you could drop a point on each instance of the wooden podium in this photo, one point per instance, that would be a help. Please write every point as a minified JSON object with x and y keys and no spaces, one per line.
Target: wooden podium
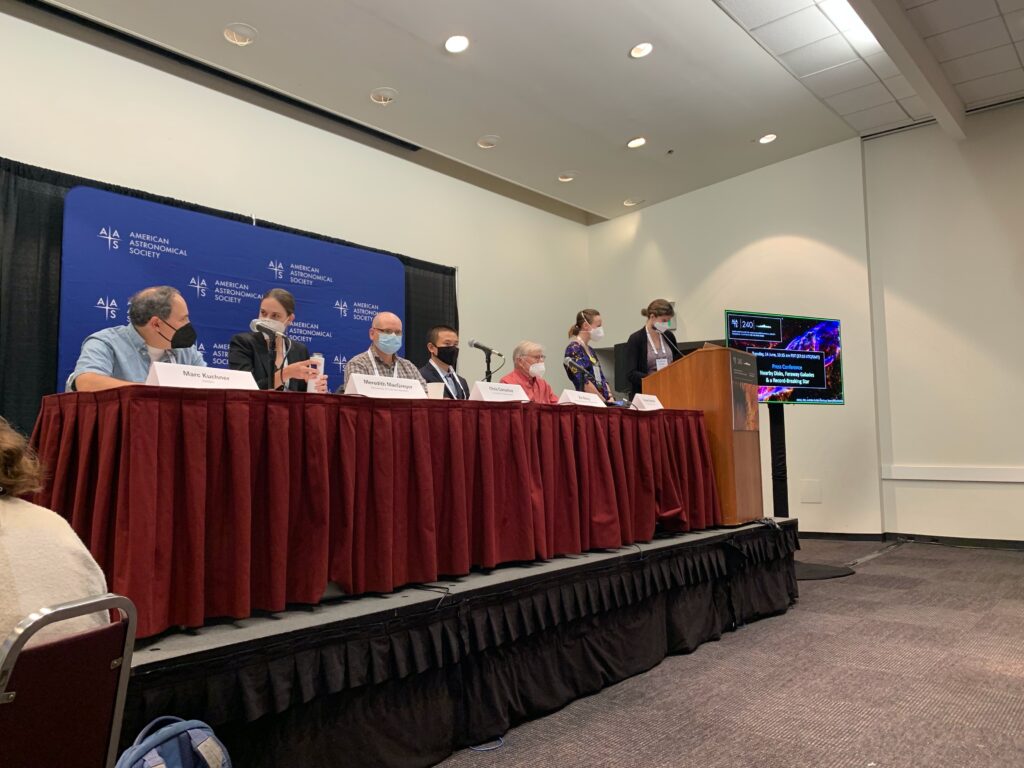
{"x":723,"y":383}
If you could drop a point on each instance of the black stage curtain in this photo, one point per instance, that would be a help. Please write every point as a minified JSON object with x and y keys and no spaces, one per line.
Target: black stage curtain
{"x":408,"y":688}
{"x":31,"y":231}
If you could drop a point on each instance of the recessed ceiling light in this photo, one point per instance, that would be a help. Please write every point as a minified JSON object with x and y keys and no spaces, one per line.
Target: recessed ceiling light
{"x":629,"y":202}
{"x":768,"y":138}
{"x":456,"y":44}
{"x":639,"y":141}
{"x":239,"y":34}
{"x":383,"y":96}
{"x":640,"y":50}
{"x":567,"y":176}
{"x":490,"y":141}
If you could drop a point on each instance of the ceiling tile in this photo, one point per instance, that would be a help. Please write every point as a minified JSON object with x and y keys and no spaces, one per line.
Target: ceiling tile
{"x":830,"y":52}
{"x":845,"y":77}
{"x":991,"y":62}
{"x":860,"y":99}
{"x":754,"y":13}
{"x":882,"y":64}
{"x":1011,"y":5}
{"x":913,"y":3}
{"x":794,"y":31}
{"x":841,"y":14}
{"x":899,"y":87}
{"x":991,"y":87}
{"x":944,"y":15}
{"x":1020,"y":50}
{"x":1015,"y":21}
{"x":863,"y":41}
{"x":876,"y":117}
{"x":916,"y":107}
{"x":967,"y":40}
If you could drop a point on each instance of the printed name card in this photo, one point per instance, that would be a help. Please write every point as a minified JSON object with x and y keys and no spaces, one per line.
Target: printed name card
{"x":647,"y":402}
{"x":490,"y":392}
{"x":572,"y":397}
{"x":198,"y":377}
{"x":384,"y":386}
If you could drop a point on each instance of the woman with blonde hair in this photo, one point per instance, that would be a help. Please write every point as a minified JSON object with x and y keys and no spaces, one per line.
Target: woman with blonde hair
{"x":586,"y":373}
{"x":42,"y":561}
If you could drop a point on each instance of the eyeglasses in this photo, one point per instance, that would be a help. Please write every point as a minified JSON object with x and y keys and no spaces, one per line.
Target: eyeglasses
{"x":387,"y":330}
{"x":536,"y":357}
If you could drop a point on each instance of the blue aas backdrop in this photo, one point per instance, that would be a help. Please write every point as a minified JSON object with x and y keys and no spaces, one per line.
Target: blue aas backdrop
{"x":114,"y":245}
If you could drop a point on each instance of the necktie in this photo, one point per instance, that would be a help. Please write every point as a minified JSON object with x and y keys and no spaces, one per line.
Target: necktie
{"x":453,"y":386}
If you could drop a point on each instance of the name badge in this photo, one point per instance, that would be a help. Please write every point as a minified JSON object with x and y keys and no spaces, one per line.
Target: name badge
{"x":491,"y":392}
{"x":647,"y":402}
{"x":384,"y":386}
{"x":198,"y":377}
{"x":660,"y":363}
{"x":572,"y":397}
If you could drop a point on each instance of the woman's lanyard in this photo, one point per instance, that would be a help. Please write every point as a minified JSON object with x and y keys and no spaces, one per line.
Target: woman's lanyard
{"x":661,"y":343}
{"x":594,"y":362}
{"x":448,"y":382}
{"x":376,"y":371}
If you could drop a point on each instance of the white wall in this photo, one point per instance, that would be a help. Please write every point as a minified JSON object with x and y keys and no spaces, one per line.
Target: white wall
{"x":81,"y":110}
{"x":947,"y":257}
{"x":789,"y":238}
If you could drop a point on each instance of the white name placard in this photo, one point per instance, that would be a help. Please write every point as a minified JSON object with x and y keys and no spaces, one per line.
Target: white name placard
{"x":491,"y":392}
{"x":384,"y":386}
{"x":572,"y":397}
{"x":647,"y":402}
{"x":198,"y":377}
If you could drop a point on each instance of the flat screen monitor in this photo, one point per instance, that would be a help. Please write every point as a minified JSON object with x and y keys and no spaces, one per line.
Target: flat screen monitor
{"x":799,"y":359}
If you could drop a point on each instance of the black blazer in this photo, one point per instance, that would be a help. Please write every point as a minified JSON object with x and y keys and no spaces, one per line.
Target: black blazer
{"x":249,"y":352}
{"x":430,"y":374}
{"x":636,"y":358}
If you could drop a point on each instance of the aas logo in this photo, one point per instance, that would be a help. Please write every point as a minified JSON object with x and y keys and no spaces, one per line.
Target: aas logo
{"x":199,"y":284}
{"x":277,"y":268}
{"x":112,"y":236}
{"x":341,"y":362}
{"x":109,"y":307}
{"x":342,"y":306}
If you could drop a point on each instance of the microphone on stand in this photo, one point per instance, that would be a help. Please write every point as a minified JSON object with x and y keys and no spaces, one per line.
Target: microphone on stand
{"x":666,"y":338}
{"x":259,"y":326}
{"x":484,"y":348}
{"x":570,"y":363}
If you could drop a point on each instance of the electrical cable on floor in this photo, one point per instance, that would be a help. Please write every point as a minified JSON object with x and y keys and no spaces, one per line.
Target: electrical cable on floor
{"x":490,"y":746}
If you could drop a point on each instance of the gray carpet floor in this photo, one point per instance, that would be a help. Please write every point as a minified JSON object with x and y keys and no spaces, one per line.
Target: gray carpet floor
{"x":917,"y":661}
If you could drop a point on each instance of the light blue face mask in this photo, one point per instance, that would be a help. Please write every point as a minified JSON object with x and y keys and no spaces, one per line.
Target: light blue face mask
{"x":389,"y":343}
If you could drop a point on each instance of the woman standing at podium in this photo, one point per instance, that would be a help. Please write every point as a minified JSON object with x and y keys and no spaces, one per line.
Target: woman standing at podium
{"x":273,"y":362}
{"x":586,"y":373}
{"x":652,"y":347}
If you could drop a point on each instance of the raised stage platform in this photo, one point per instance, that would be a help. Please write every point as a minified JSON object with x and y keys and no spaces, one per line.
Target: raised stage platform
{"x":405,"y":679}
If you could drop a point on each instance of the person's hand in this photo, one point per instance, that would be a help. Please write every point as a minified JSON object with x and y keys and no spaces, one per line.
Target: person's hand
{"x":321,"y":385}
{"x":301,"y":370}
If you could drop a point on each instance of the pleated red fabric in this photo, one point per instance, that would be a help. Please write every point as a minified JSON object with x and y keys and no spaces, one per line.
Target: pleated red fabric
{"x":201,"y":504}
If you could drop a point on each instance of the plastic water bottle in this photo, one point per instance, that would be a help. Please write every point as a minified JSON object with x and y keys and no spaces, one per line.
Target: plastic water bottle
{"x":317,"y":361}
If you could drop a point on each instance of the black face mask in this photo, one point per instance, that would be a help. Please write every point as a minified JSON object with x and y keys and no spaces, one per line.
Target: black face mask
{"x":183,"y":338}
{"x":448,"y":355}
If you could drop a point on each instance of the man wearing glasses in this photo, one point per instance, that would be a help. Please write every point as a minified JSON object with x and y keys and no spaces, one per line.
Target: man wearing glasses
{"x":528,"y":357}
{"x":382,"y":359}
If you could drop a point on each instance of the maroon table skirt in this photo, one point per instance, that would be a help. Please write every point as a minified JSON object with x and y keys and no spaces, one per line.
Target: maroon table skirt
{"x":201,"y":504}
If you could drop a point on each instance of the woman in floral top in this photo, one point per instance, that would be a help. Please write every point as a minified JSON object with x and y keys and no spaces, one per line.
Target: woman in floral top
{"x":587,"y":375}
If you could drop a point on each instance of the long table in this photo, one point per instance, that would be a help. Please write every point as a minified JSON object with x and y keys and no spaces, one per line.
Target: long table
{"x":217,"y":503}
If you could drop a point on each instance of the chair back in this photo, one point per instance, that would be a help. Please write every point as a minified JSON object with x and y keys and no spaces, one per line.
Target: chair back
{"x":61,"y":701}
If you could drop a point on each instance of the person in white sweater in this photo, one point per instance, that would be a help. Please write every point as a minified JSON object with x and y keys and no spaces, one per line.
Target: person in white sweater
{"x":42,"y":561}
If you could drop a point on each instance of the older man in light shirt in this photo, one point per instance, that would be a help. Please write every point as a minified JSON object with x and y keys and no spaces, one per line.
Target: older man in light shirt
{"x":382,"y":359}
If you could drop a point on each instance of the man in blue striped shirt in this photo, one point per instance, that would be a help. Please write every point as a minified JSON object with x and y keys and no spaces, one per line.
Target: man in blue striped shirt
{"x":159,"y":329}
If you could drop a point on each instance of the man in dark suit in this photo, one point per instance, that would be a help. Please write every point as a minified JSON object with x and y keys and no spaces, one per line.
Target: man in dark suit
{"x":443,"y":345}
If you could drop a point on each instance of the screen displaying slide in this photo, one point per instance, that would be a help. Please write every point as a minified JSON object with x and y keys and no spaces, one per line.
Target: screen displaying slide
{"x":799,"y":359}
{"x":115,"y":244}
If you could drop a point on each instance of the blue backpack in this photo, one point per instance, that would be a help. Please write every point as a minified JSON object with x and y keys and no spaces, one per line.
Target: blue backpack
{"x":175,"y":743}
